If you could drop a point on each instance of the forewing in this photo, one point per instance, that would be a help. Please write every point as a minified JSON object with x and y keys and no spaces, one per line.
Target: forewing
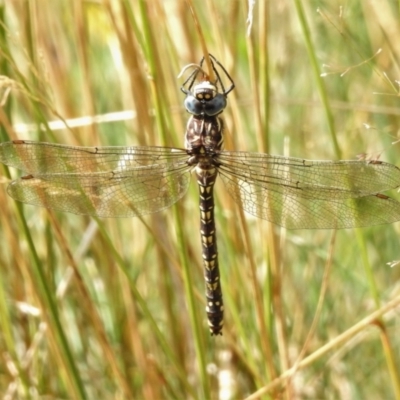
{"x":104,"y":181}
{"x":297,"y":193}
{"x":47,"y":158}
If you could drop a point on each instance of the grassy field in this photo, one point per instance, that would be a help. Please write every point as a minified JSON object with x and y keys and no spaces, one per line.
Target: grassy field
{"x":114,"y":308}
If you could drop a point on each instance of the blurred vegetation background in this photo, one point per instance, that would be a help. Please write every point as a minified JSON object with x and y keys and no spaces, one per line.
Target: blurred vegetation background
{"x":100,"y":309}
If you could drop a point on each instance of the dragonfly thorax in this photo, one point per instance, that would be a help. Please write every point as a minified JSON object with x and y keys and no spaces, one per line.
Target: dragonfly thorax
{"x":205,"y":100}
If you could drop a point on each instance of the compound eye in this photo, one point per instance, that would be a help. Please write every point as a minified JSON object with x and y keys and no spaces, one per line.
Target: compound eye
{"x":211,"y":107}
{"x":215,"y":106}
{"x":193,"y":106}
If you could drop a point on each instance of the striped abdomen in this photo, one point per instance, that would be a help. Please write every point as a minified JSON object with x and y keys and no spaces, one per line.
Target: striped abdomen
{"x":215,"y":308}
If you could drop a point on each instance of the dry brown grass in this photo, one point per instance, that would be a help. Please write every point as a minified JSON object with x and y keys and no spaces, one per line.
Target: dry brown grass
{"x":99,"y":309}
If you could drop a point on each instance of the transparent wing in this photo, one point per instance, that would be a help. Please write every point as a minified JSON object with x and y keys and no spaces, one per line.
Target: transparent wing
{"x":297,"y":193}
{"x":102,"y":181}
{"x":48,"y":158}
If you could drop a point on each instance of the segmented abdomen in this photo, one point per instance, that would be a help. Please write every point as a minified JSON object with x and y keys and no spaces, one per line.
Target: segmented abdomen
{"x":214,"y":307}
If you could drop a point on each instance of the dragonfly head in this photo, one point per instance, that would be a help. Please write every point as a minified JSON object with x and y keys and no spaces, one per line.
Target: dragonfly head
{"x":204,"y":99}
{"x":207,"y":98}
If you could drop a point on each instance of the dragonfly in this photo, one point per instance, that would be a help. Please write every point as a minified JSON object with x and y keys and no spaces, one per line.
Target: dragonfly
{"x":113,"y":182}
